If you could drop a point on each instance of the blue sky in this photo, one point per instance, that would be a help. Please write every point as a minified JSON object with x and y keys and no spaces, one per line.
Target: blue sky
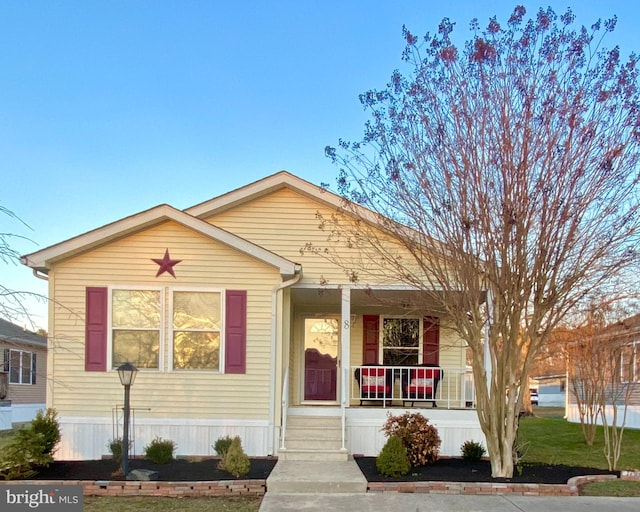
{"x":109,"y":108}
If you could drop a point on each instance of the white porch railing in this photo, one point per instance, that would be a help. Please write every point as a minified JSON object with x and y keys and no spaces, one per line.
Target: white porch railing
{"x":401,"y":385}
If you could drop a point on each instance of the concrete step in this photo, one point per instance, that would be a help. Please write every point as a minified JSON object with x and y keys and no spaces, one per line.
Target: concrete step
{"x":313,"y":444}
{"x":312,"y":454}
{"x":291,"y":476}
{"x":314,"y":432}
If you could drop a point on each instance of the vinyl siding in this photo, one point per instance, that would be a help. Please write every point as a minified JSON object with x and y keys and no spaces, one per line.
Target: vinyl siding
{"x":284,"y":222}
{"x":205,"y":264}
{"x":28,"y":393}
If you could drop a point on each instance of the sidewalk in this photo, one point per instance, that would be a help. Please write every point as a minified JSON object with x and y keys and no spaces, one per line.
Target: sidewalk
{"x":442,"y":503}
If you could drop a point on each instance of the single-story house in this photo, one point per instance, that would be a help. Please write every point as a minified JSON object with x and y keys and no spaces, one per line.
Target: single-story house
{"x":23,"y":372}
{"x":236,"y":329}
{"x":551,"y":390}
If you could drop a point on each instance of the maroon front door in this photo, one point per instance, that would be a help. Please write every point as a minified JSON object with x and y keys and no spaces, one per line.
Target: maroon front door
{"x":321,"y":348}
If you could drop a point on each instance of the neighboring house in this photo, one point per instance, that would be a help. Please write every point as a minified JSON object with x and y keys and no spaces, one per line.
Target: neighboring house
{"x":551,"y":390}
{"x":623,"y":338}
{"x":237,"y":330}
{"x":23,"y":373}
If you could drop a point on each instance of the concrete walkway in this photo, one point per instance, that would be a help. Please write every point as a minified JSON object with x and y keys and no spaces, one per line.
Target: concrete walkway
{"x":386,"y":502}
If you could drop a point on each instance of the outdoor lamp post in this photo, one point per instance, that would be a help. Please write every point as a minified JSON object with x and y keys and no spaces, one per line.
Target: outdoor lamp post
{"x":127,"y":373}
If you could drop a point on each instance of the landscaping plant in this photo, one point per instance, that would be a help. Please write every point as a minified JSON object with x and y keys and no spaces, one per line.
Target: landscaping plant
{"x":160,"y":451}
{"x":393,"y":460}
{"x":472,"y":451}
{"x":420,"y":438}
{"x":235,"y":460}
{"x":222,"y":445}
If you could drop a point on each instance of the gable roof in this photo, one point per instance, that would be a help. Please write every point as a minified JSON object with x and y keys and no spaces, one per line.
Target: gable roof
{"x":42,"y":260}
{"x":278,"y":181}
{"x":17,"y":335}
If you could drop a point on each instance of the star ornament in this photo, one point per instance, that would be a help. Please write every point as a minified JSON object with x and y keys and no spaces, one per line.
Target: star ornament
{"x":166,"y":264}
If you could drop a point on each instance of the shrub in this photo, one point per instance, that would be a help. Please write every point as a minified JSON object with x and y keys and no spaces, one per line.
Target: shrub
{"x":235,"y":460}
{"x":222,"y":445}
{"x":472,"y":451}
{"x":160,"y":451}
{"x":24,"y":454}
{"x":31,"y":447}
{"x":393,"y":460}
{"x":115,"y":448}
{"x":46,"y":424}
{"x":419,"y":437}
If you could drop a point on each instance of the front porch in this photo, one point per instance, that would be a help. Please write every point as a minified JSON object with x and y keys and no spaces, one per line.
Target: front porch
{"x":353,"y":356}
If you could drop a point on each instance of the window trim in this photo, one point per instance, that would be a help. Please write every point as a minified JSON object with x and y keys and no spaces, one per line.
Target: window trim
{"x":20,"y":370}
{"x":635,"y":355}
{"x":381,"y":347}
{"x":161,"y":328}
{"x":170,"y":330}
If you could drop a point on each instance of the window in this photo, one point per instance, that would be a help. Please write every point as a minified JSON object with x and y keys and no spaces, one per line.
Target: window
{"x":196,"y":330}
{"x":135,"y":327}
{"x":401,"y":341}
{"x":630,"y":363}
{"x":21,"y":366}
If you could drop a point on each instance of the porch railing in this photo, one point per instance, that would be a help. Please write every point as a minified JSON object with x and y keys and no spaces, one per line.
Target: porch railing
{"x":407,"y":385}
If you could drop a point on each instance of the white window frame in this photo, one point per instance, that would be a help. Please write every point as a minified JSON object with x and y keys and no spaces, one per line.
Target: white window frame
{"x":31,"y":371}
{"x":381,"y":346}
{"x":170,"y":329}
{"x":161,"y":328}
{"x":635,"y":355}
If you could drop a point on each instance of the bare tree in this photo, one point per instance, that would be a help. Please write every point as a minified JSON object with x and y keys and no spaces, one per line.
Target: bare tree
{"x":11,"y":301}
{"x":508,"y":168}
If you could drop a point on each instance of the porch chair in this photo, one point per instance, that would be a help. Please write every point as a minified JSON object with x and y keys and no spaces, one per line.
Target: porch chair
{"x":421,"y":383}
{"x":374,"y":382}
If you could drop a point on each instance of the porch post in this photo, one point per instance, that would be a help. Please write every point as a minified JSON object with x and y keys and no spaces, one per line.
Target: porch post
{"x":345,"y":365}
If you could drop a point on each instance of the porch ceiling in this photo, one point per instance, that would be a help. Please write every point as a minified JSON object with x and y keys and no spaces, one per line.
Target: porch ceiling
{"x":366,"y":301}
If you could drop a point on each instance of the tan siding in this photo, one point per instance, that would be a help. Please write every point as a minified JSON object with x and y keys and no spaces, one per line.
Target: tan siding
{"x":29,"y":393}
{"x":205,"y":263}
{"x":284,"y":222}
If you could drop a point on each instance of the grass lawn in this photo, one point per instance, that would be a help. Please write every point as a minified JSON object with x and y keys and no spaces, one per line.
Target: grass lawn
{"x":548,"y":438}
{"x":151,"y":504}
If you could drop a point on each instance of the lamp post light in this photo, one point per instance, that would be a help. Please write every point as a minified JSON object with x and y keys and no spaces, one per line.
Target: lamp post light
{"x":127,"y":373}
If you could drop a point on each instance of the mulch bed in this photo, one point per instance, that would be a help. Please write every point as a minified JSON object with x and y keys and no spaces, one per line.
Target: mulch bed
{"x":456,"y":470}
{"x":184,"y":470}
{"x":178,"y":470}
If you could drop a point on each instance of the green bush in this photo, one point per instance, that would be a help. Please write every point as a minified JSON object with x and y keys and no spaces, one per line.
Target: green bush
{"x":115,"y":448}
{"x":393,"y":460}
{"x":472,"y":451}
{"x":23,"y":455}
{"x":31,"y":447}
{"x":46,"y":424}
{"x":419,"y":437}
{"x":160,"y":451}
{"x":222,"y":445}
{"x":235,"y":460}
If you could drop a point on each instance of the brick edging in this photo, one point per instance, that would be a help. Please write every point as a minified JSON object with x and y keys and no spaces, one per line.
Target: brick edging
{"x":159,"y":488}
{"x":489,"y":488}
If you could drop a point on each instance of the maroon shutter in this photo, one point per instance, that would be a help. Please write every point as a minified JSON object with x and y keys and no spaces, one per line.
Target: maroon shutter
{"x":95,"y":350}
{"x":431,"y":341}
{"x":370,"y":339}
{"x":235,"y":338}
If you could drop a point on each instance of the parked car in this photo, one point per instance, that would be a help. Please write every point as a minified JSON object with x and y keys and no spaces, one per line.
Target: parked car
{"x":534,"y":396}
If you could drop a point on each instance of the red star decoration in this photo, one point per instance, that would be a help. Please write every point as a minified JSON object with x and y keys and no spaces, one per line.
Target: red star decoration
{"x":166,"y":264}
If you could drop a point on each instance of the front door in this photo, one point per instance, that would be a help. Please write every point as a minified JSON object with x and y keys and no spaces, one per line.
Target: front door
{"x":321,"y":349}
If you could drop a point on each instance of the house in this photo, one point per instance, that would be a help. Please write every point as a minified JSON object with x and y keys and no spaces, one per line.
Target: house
{"x":23,"y":372}
{"x":551,"y":390}
{"x":615,"y":354}
{"x":237,"y":330}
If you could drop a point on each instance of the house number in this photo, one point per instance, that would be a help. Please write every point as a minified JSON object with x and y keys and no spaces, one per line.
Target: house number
{"x":347,"y":324}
